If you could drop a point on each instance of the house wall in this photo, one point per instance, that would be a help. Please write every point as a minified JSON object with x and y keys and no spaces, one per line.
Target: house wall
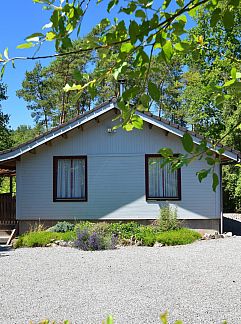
{"x":116,"y":177}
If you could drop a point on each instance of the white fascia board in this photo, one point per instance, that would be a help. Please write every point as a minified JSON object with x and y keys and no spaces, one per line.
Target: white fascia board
{"x":231,"y":155}
{"x":53,"y":134}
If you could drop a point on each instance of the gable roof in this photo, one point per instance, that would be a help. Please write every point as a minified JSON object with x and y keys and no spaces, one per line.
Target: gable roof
{"x":14,"y":153}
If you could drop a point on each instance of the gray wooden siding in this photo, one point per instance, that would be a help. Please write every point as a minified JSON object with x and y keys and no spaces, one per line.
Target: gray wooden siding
{"x":116,"y":177}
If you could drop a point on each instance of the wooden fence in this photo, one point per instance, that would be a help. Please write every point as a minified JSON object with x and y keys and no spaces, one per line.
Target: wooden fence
{"x":7,"y":209}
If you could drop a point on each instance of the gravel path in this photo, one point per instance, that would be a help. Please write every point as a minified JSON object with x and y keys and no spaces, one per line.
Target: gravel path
{"x":199,"y":283}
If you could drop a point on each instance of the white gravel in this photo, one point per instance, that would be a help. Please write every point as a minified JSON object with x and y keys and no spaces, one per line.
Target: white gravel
{"x":199,"y":283}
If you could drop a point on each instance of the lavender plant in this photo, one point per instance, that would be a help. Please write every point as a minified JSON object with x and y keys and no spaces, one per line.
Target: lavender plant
{"x":94,"y":241}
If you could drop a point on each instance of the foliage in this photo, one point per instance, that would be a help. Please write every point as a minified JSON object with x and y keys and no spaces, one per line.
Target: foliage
{"x":61,"y":227}
{"x":93,"y":241}
{"x":231,"y":189}
{"x":110,"y":320}
{"x":5,"y":185}
{"x":102,"y":236}
{"x":142,"y":47}
{"x":42,"y":238}
{"x":25,"y":133}
{"x":5,"y":139}
{"x":168,"y":219}
{"x":178,"y":237}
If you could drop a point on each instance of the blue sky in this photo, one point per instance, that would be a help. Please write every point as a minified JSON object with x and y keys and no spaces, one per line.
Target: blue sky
{"x":21,"y":18}
{"x":18,"y":20}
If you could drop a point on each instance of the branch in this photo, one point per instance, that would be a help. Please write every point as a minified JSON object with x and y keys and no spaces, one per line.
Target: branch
{"x":163,"y":24}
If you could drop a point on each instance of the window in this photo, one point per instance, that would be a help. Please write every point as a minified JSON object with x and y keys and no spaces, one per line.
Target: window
{"x":161,"y":182}
{"x":70,"y":178}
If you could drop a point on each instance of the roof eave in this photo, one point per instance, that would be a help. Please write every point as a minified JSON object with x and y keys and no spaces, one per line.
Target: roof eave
{"x":179,"y":131}
{"x":16,"y":152}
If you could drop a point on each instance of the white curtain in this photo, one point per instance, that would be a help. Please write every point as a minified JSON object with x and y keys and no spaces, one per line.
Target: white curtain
{"x":163,"y":182}
{"x":71,"y":178}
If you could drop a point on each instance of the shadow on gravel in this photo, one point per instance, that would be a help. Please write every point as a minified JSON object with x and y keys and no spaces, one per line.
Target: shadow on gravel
{"x":3,"y":250}
{"x":232,"y":225}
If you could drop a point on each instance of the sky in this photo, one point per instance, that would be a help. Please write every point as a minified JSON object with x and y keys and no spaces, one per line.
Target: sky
{"x":20,"y":19}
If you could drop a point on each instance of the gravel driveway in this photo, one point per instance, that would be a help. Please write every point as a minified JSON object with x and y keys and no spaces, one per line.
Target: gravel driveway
{"x":199,"y":283}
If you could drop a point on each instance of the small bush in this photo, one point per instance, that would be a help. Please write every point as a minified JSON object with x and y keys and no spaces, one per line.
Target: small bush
{"x":93,"y":241}
{"x":34,"y":239}
{"x":168,"y":219}
{"x":84,"y":224}
{"x":124,"y":230}
{"x":178,"y":237}
{"x":61,"y":227}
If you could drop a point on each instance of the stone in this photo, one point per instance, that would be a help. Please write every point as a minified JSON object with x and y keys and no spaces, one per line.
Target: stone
{"x":63,"y":243}
{"x":229,"y":234}
{"x":206,"y":236}
{"x":157,"y":244}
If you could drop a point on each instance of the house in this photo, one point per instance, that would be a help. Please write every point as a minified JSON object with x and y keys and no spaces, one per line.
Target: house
{"x":85,"y":170}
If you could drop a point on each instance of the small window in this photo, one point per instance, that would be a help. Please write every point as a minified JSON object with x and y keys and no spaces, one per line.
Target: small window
{"x":70,"y":178}
{"x":161,"y":182}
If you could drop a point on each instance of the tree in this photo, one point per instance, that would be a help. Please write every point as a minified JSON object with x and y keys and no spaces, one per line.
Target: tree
{"x":151,"y":30}
{"x":37,"y":92}
{"x":25,"y":133}
{"x":5,"y":140}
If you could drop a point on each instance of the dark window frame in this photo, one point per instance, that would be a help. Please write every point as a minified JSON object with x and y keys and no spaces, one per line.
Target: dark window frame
{"x":148,"y":198}
{"x":55,"y":173}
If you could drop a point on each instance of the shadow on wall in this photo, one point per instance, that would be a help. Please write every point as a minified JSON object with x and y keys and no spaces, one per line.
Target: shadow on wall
{"x":232,"y":225}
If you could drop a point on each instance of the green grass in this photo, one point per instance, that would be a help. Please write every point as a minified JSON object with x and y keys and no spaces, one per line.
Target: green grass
{"x":42,"y":238}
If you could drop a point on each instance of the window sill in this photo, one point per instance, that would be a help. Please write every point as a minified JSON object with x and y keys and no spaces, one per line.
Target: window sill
{"x":163,"y":199}
{"x":70,"y":200}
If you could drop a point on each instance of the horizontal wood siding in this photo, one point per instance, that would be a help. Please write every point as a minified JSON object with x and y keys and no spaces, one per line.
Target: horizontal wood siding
{"x":116,"y":177}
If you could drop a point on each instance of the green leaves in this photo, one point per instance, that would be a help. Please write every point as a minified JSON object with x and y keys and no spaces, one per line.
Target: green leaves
{"x":215,"y":181}
{"x":216,"y":16}
{"x":202,"y":174}
{"x":50,"y":36}
{"x":26,"y":45}
{"x":133,"y":31}
{"x":154,"y":91}
{"x":34,"y":37}
{"x":187,"y":142}
{"x":126,"y":47}
{"x":228,"y":19}
{"x":167,"y":50}
{"x":5,"y":53}
{"x":166,"y":152}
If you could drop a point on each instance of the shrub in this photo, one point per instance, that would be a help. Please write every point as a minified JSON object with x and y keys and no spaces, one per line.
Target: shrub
{"x":93,"y":241}
{"x":178,"y":237}
{"x":168,"y":219}
{"x":34,"y":239}
{"x":84,"y":224}
{"x":61,"y":227}
{"x":124,"y":230}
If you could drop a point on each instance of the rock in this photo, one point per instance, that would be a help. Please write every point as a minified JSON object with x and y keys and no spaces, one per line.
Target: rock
{"x":157,"y":244}
{"x":206,"y":236}
{"x":217,"y":235}
{"x":228,"y":234}
{"x":49,"y":244}
{"x":63,"y":243}
{"x":54,"y":245}
{"x":70,"y":244}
